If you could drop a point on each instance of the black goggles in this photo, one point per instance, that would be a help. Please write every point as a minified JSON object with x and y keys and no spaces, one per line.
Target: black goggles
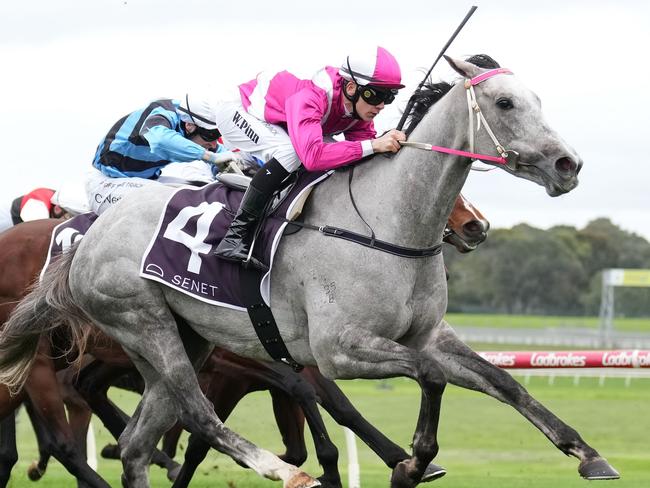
{"x":376,"y":96}
{"x":208,"y":135}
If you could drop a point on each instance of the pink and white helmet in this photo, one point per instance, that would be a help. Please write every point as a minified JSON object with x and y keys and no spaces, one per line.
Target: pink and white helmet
{"x":377,"y":67}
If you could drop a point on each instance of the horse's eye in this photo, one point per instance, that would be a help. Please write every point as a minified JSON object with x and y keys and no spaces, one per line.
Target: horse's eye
{"x":505,"y":103}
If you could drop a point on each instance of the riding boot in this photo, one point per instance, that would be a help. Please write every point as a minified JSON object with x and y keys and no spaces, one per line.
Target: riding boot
{"x":235,"y":246}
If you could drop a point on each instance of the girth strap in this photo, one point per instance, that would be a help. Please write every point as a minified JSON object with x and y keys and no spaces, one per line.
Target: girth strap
{"x":371,"y":242}
{"x":367,"y":241}
{"x":263,"y":321}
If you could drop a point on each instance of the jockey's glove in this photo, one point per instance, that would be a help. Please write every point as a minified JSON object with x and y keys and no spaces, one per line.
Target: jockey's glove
{"x":221,"y":160}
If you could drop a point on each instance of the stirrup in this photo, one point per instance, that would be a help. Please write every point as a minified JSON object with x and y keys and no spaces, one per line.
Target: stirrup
{"x":248,"y":261}
{"x":253,"y":263}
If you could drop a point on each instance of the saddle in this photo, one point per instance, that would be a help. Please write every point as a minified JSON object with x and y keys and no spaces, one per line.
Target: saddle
{"x":241,"y":182}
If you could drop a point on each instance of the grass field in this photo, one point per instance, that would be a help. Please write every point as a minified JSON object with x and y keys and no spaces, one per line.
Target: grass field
{"x":483,"y":443}
{"x":542,"y":322}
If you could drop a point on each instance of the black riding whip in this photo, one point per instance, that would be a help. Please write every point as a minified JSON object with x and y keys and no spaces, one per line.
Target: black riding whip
{"x":411,"y":101}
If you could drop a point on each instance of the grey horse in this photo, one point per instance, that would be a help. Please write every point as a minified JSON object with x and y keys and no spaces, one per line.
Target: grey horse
{"x":352,"y":311}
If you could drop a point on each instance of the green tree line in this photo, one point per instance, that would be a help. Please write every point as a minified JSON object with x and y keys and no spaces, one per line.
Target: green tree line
{"x":526,"y":270}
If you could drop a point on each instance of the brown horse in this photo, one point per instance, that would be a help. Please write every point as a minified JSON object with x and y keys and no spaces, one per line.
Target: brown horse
{"x":23,"y":255}
{"x":24,"y":248}
{"x":466,"y":226}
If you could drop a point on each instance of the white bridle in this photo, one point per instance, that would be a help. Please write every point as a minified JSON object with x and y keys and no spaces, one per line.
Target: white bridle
{"x":507,"y":158}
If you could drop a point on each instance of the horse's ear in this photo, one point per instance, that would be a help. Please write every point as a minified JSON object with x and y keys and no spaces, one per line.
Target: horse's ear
{"x":463,"y":68}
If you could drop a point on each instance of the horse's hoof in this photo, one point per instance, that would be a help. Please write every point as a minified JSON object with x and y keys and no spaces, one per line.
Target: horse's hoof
{"x":35,"y":473}
{"x":433,"y":472}
{"x":110,"y":451}
{"x":329,"y":482}
{"x":597,"y":469}
{"x":173,"y":473}
{"x":301,"y":480}
{"x":401,"y":475}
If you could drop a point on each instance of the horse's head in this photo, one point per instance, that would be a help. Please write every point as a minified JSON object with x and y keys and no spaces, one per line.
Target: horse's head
{"x":513,"y":113}
{"x":466,"y":226}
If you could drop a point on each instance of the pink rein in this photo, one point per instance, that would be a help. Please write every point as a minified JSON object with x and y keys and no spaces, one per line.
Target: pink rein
{"x":467,"y":154}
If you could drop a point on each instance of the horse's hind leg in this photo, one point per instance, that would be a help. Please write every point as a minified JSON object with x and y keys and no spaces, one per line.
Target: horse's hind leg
{"x":170,"y":440}
{"x":8,"y":452}
{"x":224,"y":393}
{"x":291,"y":423}
{"x":92,"y":384}
{"x":137,"y":443}
{"x":465,"y":368}
{"x":43,"y":389}
{"x":301,"y":392}
{"x":37,"y":468}
{"x":165,"y":353}
{"x":79,"y":413}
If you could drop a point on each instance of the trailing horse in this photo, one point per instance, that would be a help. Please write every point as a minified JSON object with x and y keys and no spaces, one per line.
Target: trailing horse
{"x":351,"y":310}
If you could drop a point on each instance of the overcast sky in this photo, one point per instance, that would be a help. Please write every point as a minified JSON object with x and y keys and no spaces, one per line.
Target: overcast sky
{"x":71,"y":68}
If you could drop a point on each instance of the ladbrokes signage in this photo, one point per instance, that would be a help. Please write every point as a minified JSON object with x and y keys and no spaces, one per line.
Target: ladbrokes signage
{"x":558,"y":360}
{"x":626,"y":359}
{"x":569,"y":359}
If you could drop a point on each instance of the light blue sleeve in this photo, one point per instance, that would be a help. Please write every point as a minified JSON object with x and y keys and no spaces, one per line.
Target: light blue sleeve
{"x":172,"y":146}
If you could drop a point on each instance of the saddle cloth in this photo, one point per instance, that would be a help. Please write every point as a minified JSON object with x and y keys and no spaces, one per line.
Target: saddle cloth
{"x":66,"y":234}
{"x":192,"y":225}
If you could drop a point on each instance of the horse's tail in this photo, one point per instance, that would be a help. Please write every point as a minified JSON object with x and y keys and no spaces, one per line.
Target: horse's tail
{"x":47,"y":306}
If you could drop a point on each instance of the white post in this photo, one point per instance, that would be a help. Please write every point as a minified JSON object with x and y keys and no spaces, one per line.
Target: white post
{"x":91,"y":447}
{"x":354,"y":479}
{"x":607,"y":306}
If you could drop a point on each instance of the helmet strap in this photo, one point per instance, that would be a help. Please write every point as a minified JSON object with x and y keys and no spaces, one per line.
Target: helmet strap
{"x":184,"y":126}
{"x":354,"y":98}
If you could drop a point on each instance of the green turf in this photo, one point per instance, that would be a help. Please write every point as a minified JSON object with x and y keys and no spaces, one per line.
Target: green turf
{"x":542,"y":322}
{"x":483,"y":443}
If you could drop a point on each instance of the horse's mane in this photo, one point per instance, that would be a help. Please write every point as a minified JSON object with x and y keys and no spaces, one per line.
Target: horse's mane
{"x":432,"y":92}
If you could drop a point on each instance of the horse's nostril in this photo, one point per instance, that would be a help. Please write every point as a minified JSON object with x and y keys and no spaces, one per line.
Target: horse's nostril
{"x":474,"y":228}
{"x":566,"y":165}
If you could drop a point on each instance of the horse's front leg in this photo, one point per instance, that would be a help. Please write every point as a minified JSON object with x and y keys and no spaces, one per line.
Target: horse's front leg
{"x":463,"y":367}
{"x":334,"y":401}
{"x":360,"y":354}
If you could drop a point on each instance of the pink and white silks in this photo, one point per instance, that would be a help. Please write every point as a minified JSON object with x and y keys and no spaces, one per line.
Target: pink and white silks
{"x":311,"y":110}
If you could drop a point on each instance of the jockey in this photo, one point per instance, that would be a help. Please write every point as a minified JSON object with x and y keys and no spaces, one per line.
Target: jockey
{"x":286,"y":121}
{"x":140,"y":144}
{"x":35,"y":205}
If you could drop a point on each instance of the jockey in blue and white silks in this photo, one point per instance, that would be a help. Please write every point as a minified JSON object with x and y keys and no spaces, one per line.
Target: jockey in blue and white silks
{"x":142,"y":143}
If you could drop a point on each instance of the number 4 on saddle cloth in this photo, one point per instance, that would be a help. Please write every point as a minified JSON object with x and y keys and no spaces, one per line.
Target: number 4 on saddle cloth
{"x":192,"y":225}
